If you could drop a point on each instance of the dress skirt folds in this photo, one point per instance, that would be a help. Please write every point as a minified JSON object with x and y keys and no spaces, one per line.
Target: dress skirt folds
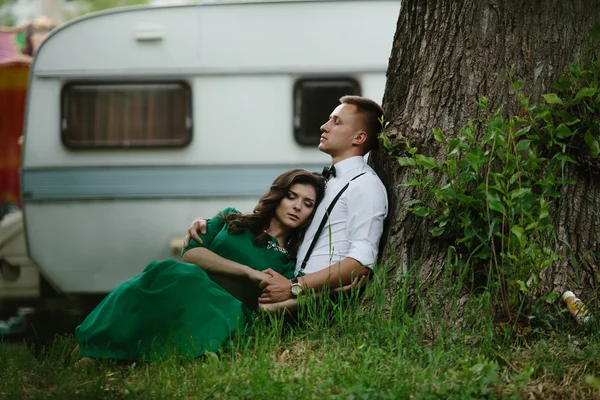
{"x":171,"y":309}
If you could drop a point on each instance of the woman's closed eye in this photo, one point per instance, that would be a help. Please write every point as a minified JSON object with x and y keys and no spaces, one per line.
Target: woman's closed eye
{"x":308,"y":202}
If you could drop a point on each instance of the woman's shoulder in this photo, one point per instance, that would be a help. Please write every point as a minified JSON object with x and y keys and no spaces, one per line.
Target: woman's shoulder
{"x":229,"y":210}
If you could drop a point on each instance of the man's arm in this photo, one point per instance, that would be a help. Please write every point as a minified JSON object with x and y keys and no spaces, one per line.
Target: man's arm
{"x":335,"y":276}
{"x":339,"y":275}
{"x":291,"y":304}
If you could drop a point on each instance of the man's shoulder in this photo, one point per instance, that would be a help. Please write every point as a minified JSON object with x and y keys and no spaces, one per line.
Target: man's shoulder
{"x":370,"y":177}
{"x":368,"y":189}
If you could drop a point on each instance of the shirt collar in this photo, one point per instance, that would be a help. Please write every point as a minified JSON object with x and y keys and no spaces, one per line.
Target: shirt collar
{"x":348,"y":164}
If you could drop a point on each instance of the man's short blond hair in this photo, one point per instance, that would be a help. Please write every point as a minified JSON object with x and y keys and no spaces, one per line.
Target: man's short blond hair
{"x":371,"y":113}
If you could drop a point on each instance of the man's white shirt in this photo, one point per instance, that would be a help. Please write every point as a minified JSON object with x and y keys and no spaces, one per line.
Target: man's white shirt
{"x":355,"y":225}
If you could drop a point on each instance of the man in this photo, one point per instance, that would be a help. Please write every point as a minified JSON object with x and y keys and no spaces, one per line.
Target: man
{"x":347,"y":246}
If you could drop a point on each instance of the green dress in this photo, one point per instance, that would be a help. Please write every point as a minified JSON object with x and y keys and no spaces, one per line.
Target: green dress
{"x":173,"y":308}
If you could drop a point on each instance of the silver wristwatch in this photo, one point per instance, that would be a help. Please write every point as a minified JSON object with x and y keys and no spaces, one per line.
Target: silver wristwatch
{"x":296,"y":287}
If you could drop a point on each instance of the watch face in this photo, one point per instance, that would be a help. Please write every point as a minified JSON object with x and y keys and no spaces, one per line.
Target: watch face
{"x":296,"y":290}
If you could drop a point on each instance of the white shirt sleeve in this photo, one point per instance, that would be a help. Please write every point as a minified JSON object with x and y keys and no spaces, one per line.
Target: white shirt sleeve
{"x":367,"y":209}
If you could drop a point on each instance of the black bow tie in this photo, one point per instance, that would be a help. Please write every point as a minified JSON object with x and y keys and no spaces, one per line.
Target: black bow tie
{"x":328,"y":172}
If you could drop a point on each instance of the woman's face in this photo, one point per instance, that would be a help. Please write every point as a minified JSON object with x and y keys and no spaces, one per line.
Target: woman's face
{"x":297,"y":206}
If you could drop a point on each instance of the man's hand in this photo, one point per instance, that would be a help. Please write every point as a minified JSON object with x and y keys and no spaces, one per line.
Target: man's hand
{"x":198,"y":225}
{"x":276,"y":289}
{"x":357,"y":283}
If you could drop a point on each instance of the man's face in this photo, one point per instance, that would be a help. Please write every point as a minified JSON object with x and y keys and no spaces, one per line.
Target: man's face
{"x":340,"y":131}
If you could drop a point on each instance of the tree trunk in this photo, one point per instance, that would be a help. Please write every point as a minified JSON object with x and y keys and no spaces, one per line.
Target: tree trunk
{"x":445,"y":55}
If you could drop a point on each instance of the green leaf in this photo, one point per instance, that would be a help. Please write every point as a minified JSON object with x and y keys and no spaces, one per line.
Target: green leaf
{"x":523,"y":145}
{"x":387,"y":144}
{"x":592,"y":144}
{"x":411,"y":182}
{"x":412,"y":202}
{"x":411,"y":150}
{"x":427,"y":179}
{"x":585,"y":92}
{"x":522,"y":286}
{"x":465,"y":200}
{"x":518,"y":232}
{"x":517,"y":85}
{"x":552,"y":98}
{"x":420,"y":211}
{"x":563,"y":131}
{"x":545,"y":115}
{"x":518,"y":193}
{"x":550,"y":297}
{"x":406,"y":161}
{"x":495,"y":203}
{"x":571,"y":123}
{"x":449,"y":193}
{"x":467,"y":177}
{"x":563,"y":157}
{"x":531,"y":226}
{"x":469,"y":230}
{"x":543,"y":208}
{"x":438,"y":135}
{"x":427,"y":162}
{"x":467,"y":132}
{"x":475,"y":158}
{"x":575,"y":73}
{"x":436,"y":231}
{"x":451,"y":166}
{"x":514,"y":178}
{"x":456,"y":145}
{"x":482,"y":103}
{"x":523,"y":131}
{"x":500,"y":138}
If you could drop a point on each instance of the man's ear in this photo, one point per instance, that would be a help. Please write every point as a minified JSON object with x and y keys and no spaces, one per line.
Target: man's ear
{"x":360,"y":138}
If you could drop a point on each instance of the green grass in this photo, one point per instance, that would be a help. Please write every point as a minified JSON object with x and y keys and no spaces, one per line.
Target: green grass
{"x":345,"y":350}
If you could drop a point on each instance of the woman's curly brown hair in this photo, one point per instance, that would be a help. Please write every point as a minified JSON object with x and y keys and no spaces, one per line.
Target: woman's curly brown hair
{"x":259,"y":220}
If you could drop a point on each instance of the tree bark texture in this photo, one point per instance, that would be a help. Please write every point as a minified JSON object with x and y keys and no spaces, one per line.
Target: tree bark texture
{"x":445,"y":55}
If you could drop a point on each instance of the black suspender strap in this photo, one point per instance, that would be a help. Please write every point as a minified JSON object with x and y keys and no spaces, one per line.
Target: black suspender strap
{"x":323,"y":222}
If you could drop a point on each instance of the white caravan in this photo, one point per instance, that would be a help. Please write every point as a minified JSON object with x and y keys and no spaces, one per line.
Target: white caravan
{"x":141,"y":119}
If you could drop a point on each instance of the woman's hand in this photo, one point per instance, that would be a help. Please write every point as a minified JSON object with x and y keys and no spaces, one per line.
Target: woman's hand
{"x":290,"y":305}
{"x":257,"y":277}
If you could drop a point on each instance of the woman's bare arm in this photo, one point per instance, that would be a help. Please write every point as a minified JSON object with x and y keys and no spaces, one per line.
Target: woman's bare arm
{"x":215,"y":264}
{"x":289,"y":305}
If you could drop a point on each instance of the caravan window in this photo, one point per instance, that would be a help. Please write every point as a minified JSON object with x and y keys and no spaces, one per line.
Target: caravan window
{"x":314,"y":100}
{"x":126,"y":115}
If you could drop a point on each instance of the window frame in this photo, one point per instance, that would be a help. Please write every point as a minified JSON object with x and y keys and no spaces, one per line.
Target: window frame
{"x":64,"y":133}
{"x":299,"y":135}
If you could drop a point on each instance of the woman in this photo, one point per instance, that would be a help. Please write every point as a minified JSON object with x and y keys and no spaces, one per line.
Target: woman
{"x":175,"y":308}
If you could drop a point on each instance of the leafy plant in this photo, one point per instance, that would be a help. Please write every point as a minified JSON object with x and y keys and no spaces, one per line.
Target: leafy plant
{"x":501,"y":176}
